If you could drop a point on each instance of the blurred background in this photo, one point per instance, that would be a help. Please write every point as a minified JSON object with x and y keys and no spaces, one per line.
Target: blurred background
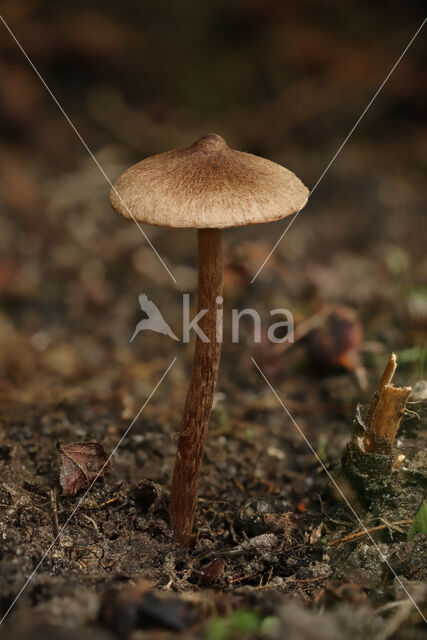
{"x":285,"y":80}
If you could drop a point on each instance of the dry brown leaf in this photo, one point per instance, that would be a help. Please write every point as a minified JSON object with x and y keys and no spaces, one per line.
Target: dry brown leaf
{"x":80,"y":464}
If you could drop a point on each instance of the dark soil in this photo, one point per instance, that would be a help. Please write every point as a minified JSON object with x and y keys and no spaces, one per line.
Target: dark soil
{"x":266,"y":511}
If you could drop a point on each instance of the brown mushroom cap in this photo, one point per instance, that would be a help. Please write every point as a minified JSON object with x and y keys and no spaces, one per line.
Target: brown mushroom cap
{"x":207,"y":185}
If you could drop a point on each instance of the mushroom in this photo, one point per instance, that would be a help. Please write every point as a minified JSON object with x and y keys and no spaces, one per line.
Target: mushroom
{"x":207,"y":187}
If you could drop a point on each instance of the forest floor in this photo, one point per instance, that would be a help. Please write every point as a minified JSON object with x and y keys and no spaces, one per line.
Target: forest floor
{"x":278,"y":552}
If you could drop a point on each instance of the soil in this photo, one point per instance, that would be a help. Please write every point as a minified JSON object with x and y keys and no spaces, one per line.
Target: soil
{"x":269,"y":518}
{"x":267,"y":511}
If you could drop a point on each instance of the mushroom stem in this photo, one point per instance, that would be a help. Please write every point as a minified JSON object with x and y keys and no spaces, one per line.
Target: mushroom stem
{"x":198,"y":405}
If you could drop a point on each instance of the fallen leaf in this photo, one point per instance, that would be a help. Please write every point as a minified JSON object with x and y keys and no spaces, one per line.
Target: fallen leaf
{"x":213,"y":572}
{"x":81,"y":464}
{"x":337,"y":343}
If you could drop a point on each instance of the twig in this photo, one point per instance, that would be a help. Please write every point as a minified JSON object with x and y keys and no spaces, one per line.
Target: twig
{"x":360,"y":534}
{"x":389,"y":411}
{"x":252,"y":575}
{"x":385,"y":412}
{"x":55,"y":524}
{"x":386,"y":378}
{"x":92,"y":521}
{"x":389,"y":372}
{"x":104,"y":504}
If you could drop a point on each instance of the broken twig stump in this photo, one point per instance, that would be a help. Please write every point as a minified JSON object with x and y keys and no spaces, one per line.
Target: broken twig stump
{"x":369,"y":458}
